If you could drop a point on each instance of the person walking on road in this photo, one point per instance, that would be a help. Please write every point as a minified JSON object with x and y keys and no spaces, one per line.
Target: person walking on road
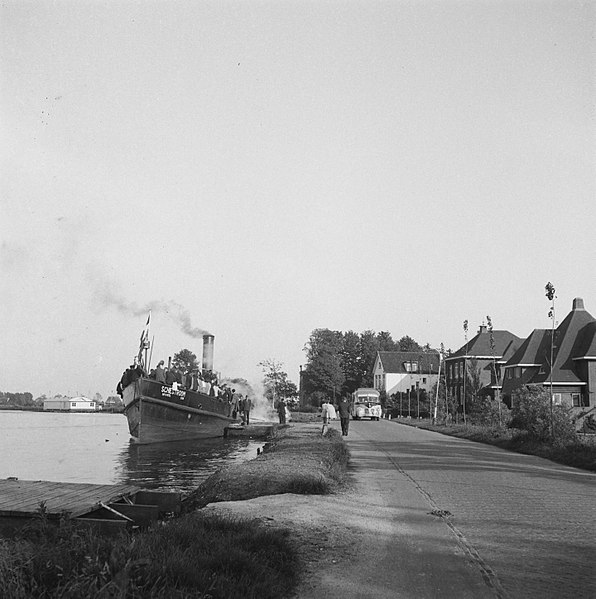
{"x":328,"y":413}
{"x":344,"y":415}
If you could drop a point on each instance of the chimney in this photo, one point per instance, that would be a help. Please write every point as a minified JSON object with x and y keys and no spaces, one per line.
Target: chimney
{"x":482,"y":328}
{"x":208,"y":352}
{"x":578,"y":304}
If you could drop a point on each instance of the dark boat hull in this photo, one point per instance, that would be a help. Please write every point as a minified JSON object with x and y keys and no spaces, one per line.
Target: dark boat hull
{"x":156,"y":412}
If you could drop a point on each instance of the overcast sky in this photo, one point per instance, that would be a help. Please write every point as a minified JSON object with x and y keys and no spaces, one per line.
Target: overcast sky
{"x":262,"y":169}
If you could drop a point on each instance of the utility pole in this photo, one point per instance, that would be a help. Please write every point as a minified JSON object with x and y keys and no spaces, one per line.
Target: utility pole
{"x":418,"y":398}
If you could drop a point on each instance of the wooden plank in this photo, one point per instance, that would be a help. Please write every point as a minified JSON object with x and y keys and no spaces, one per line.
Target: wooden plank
{"x":142,"y":515}
{"x":25,"y":497}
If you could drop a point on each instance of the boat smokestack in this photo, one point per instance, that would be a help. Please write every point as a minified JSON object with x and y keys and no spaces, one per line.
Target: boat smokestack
{"x":208,"y":352}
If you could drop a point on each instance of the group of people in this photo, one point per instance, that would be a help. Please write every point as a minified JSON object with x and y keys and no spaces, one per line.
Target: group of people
{"x":329,"y":412}
{"x":194,"y":379}
{"x":202,"y":381}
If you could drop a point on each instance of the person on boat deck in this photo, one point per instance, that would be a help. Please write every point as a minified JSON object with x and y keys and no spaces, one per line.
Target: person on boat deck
{"x":160,"y":373}
{"x":170,"y":376}
{"x":184,"y":378}
{"x":130,"y":375}
{"x":194,"y":379}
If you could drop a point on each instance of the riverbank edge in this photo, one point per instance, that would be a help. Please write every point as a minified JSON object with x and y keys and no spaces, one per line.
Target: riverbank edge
{"x":231,"y":557}
{"x":296,"y":459}
{"x":581,"y":454}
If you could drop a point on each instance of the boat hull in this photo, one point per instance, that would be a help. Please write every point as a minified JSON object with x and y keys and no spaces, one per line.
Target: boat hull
{"x":157,"y":413}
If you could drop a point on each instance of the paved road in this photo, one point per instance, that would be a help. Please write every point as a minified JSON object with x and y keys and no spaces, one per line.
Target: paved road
{"x":462,"y":519}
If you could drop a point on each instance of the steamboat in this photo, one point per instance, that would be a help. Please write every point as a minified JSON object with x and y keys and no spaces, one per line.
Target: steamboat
{"x":157,"y":411}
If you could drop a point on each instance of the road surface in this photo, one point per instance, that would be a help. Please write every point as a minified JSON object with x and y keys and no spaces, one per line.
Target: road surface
{"x":432,"y":516}
{"x":527,"y":525}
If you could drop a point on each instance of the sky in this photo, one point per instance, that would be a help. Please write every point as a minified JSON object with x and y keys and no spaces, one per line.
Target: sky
{"x":260,"y":169}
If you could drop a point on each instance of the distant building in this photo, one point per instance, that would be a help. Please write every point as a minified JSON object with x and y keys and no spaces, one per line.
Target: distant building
{"x":478,"y":354}
{"x":574,"y":362}
{"x":398,"y":371}
{"x":67,"y":404}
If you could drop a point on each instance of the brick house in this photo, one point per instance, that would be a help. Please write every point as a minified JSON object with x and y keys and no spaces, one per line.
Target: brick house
{"x":574,"y":362}
{"x":477,"y":355}
{"x":399,"y":371}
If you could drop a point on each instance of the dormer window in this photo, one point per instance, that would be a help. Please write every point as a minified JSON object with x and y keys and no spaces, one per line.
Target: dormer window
{"x":411,"y":366}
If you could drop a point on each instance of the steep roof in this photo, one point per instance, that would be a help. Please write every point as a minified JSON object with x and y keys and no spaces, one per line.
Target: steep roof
{"x":394,"y":361}
{"x":532,"y":350}
{"x":506,"y":344}
{"x":574,"y":337}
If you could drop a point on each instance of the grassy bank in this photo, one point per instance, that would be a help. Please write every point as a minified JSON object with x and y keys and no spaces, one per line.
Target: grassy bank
{"x":298,"y":461}
{"x":191,"y":556}
{"x":580,"y":454}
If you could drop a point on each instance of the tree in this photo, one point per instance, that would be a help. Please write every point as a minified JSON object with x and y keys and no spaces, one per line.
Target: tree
{"x":385,"y":342}
{"x":324,"y":371}
{"x":38,"y":401}
{"x":352,"y":362}
{"x":496,"y":369}
{"x":406,"y":343}
{"x":185,"y":360}
{"x":276,"y":381}
{"x":550,"y":294}
{"x":473,"y":383}
{"x":369,"y":345}
{"x":18,"y":399}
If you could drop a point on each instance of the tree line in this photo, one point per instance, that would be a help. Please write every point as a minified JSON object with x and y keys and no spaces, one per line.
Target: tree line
{"x":339,"y":362}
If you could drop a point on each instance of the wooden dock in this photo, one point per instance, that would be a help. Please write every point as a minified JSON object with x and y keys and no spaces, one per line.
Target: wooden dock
{"x":253,"y":431}
{"x":109,"y":506}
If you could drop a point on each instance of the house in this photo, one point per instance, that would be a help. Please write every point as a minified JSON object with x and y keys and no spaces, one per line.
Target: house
{"x":66,"y":404}
{"x":483,"y":363}
{"x":573,"y":373}
{"x":399,"y":371}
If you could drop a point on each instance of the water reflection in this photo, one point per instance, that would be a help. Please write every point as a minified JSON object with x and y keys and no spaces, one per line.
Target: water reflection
{"x":180,"y":465}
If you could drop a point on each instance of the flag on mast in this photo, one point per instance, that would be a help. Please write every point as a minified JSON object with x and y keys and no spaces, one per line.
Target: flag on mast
{"x":144,"y":344}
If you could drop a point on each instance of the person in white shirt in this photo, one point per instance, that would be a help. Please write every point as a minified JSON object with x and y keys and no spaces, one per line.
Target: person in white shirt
{"x":328,"y":413}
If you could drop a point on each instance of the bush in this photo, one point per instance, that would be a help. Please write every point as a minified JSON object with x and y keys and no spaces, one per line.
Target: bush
{"x":489,"y":412}
{"x":531,"y":413}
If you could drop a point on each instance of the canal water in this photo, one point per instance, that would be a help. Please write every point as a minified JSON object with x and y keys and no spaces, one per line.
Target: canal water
{"x":96,"y":448}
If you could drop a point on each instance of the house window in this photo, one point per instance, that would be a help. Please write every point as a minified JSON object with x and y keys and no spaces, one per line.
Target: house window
{"x":578,"y":401}
{"x":557,"y":399}
{"x":424,"y":380}
{"x":414,"y":366}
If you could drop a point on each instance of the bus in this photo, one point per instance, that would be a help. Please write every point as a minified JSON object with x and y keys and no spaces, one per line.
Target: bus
{"x":366,"y":404}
